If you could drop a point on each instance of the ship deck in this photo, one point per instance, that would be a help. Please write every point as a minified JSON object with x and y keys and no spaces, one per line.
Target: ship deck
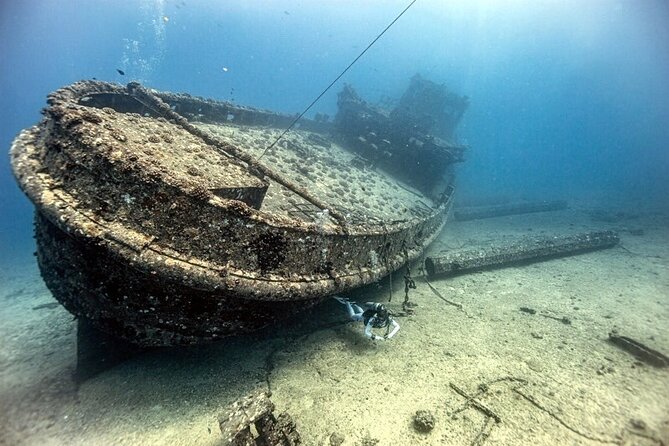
{"x":338,"y":177}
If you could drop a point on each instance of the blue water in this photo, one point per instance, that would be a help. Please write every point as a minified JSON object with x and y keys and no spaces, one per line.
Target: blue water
{"x":568,"y":98}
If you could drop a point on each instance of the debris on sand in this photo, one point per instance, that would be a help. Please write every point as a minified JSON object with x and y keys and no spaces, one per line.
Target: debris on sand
{"x":250,"y":421}
{"x":423,"y":421}
{"x":639,"y":350}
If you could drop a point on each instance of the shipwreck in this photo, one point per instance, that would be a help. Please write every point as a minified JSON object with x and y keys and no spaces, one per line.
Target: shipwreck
{"x":162,"y":218}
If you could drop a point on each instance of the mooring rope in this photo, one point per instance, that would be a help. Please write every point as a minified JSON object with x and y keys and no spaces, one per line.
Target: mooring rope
{"x":336,"y":79}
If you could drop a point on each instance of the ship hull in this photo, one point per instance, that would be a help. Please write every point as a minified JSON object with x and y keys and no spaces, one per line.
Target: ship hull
{"x":147,"y":256}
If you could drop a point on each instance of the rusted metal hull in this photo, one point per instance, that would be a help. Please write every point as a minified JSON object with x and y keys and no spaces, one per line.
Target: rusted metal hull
{"x":151,"y":255}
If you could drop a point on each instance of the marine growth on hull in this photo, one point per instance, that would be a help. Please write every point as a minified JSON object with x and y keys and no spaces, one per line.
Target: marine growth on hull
{"x":168,"y":219}
{"x":340,"y":178}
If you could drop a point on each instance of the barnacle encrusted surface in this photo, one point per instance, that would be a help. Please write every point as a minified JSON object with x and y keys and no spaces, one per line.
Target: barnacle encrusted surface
{"x":326,"y":170}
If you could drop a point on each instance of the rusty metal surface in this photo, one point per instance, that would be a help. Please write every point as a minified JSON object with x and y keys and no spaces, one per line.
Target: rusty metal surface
{"x":403,"y":140}
{"x":522,"y":250}
{"x":143,"y":193}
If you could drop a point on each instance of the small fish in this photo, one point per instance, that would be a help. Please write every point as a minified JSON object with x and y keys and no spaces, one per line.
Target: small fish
{"x":225,"y":69}
{"x":121,"y":72}
{"x":166,"y":19}
{"x":286,"y":12}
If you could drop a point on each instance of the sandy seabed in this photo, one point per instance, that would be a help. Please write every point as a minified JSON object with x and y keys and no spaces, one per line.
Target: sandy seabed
{"x":548,"y":382}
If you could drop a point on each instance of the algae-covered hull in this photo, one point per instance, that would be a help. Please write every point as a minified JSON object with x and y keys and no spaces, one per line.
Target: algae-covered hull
{"x":164,"y":230}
